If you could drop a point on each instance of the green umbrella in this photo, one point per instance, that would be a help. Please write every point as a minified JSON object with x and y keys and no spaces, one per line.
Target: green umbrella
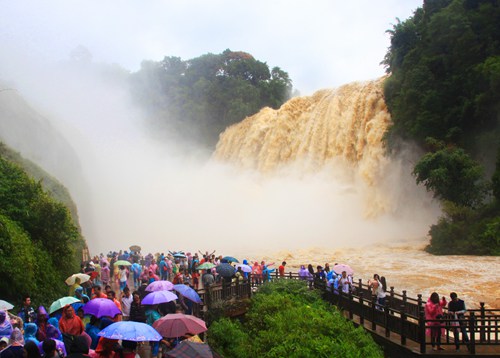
{"x":60,"y":303}
{"x":205,"y":266}
{"x":122,"y":263}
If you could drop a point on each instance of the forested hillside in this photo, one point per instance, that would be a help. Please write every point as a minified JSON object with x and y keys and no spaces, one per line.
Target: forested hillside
{"x":444,"y":94}
{"x":200,"y":97}
{"x":40,"y":242}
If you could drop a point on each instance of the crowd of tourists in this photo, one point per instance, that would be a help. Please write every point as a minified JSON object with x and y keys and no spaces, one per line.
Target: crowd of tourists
{"x":123,"y":278}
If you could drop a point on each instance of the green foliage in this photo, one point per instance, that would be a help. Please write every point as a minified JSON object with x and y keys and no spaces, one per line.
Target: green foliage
{"x":452,"y":175}
{"x":204,"y":95}
{"x":38,"y":238}
{"x":287,"y":319}
{"x":444,"y":63}
{"x":466,"y":231}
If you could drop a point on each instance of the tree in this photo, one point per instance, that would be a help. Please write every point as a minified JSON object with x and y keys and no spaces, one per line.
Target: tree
{"x":202,"y":96}
{"x":452,"y":175}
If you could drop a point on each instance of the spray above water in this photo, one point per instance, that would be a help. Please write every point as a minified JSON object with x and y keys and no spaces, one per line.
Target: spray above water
{"x":310,"y":174}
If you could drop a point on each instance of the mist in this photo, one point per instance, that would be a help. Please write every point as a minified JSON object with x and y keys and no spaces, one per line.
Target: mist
{"x":164,"y":195}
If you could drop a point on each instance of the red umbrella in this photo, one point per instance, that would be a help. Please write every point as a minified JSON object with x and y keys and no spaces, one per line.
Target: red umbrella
{"x":177,"y":325}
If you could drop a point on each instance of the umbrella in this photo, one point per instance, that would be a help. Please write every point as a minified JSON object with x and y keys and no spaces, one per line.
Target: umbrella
{"x":157,"y":297}
{"x":135,"y":248}
{"x":161,"y":285}
{"x":178,"y":324}
{"x":343,"y":267}
{"x":4,"y":305}
{"x":82,"y":276}
{"x":60,"y":303}
{"x":230,"y":259}
{"x":225,"y":270}
{"x":122,"y":263}
{"x":130,"y":331}
{"x":188,"y":292}
{"x":101,"y":307}
{"x":205,"y":266}
{"x":189,"y":349}
{"x":244,"y":268}
{"x":179,"y":255}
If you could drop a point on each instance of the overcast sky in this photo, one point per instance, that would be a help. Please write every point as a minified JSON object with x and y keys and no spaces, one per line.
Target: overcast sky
{"x":321,"y":43}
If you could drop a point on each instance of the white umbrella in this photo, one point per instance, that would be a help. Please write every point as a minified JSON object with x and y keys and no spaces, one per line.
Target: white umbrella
{"x":82,"y":276}
{"x":4,"y":305}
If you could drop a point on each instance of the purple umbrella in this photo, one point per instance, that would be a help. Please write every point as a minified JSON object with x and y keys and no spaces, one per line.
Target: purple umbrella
{"x":188,"y":292}
{"x":160,"y":286}
{"x":157,"y":297}
{"x":101,"y":307}
{"x":244,"y":268}
{"x":130,"y":331}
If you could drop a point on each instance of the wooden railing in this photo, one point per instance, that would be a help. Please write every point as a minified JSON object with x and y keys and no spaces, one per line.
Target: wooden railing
{"x":402,"y":315}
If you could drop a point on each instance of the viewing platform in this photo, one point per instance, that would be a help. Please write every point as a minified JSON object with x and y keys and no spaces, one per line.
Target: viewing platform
{"x":400,"y":326}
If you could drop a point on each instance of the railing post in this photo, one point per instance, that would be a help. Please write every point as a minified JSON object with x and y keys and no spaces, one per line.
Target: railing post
{"x":472,"y":328}
{"x":290,"y":275}
{"x":349,"y":299}
{"x":421,"y":330}
{"x":482,"y":328}
{"x":405,"y":299}
{"x":361,"y":315}
{"x":392,"y":297}
{"x":403,"y":321}
{"x":386,"y":319}
{"x":374,"y":310}
{"x":360,"y":285}
{"x":420,"y":303}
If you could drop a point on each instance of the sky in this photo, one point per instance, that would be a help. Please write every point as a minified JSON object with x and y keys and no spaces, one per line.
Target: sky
{"x":321,"y":44}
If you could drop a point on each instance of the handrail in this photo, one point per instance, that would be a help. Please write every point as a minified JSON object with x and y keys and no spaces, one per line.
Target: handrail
{"x":402,"y":314}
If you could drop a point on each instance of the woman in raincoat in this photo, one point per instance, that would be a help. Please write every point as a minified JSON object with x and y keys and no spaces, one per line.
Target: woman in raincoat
{"x":434,"y":312}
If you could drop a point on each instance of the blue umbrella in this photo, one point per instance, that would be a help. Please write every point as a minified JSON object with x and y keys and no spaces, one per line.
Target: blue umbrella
{"x":230,"y":259}
{"x":130,"y":331}
{"x":225,"y":270}
{"x":188,"y":292}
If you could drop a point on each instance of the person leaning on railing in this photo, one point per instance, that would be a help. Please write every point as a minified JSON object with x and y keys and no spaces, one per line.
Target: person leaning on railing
{"x":456,"y":308}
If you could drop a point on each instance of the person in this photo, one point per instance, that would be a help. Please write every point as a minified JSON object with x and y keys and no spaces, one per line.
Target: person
{"x":92,"y":329}
{"x":105,"y":348}
{"x":41,"y":320}
{"x":378,"y":287}
{"x":136,"y":270}
{"x":127,"y":349}
{"x":105,"y":274}
{"x":281,"y":269}
{"x":70,"y":323}
{"x":79,"y":348}
{"x":4,"y":342}
{"x":137,"y":310}
{"x":126,"y":302}
{"x":54,"y":334}
{"x":112,"y":297}
{"x":122,"y":273}
{"x":303,"y":273}
{"x":27,"y":312}
{"x":50,"y":349}
{"x":30,"y":330}
{"x":74,"y":286}
{"x":81,"y":295}
{"x":15,"y":349}
{"x":456,"y":308}
{"x":208,"y":279}
{"x":31,"y":349}
{"x":98,"y":292}
{"x":434,"y":312}
{"x":5,"y":325}
{"x":345,"y":282}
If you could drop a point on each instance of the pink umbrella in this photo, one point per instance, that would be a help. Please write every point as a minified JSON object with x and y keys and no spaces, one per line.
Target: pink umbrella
{"x":101,"y":307}
{"x":177,"y":325}
{"x":339,"y":268}
{"x":158,"y":297}
{"x":160,"y":286}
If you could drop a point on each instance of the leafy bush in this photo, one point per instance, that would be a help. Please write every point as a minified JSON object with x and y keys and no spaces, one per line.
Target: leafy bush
{"x":286,"y":319}
{"x":38,"y":239}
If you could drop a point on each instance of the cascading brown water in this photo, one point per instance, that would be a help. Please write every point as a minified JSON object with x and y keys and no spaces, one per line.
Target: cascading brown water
{"x":346,"y":126}
{"x":343,"y":125}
